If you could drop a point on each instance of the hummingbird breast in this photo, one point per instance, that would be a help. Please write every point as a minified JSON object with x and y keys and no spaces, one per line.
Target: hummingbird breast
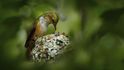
{"x":41,"y":27}
{"x":43,"y":23}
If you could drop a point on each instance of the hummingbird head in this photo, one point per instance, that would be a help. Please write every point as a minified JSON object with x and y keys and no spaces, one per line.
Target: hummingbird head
{"x":52,"y":18}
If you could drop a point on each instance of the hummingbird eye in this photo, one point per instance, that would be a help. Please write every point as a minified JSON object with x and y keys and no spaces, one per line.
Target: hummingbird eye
{"x":55,"y":19}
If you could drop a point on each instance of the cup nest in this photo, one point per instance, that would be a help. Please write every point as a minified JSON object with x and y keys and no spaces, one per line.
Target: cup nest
{"x":48,"y":47}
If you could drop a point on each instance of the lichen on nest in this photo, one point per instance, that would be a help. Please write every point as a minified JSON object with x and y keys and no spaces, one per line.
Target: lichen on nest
{"x":48,"y":47}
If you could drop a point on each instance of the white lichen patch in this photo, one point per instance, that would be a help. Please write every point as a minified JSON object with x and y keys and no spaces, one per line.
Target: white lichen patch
{"x":49,"y":46}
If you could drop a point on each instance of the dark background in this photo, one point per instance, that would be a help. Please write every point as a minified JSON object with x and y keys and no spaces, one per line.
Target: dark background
{"x":95,"y":29}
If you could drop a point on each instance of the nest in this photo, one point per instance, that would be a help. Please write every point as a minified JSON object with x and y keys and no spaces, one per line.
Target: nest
{"x":48,"y":47}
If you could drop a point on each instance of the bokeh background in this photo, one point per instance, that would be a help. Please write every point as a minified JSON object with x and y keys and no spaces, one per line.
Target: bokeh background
{"x":95,"y":29}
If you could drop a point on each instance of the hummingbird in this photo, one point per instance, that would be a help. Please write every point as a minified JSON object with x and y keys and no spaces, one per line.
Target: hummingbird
{"x":39,"y":29}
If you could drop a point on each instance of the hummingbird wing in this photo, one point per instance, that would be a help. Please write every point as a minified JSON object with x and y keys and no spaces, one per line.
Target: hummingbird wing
{"x":30,"y":40}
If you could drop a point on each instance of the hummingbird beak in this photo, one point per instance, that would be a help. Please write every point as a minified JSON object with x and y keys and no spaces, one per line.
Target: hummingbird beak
{"x":54,"y":24}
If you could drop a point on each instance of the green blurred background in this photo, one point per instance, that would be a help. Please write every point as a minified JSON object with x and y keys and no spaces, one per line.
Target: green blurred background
{"x":95,"y":29}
